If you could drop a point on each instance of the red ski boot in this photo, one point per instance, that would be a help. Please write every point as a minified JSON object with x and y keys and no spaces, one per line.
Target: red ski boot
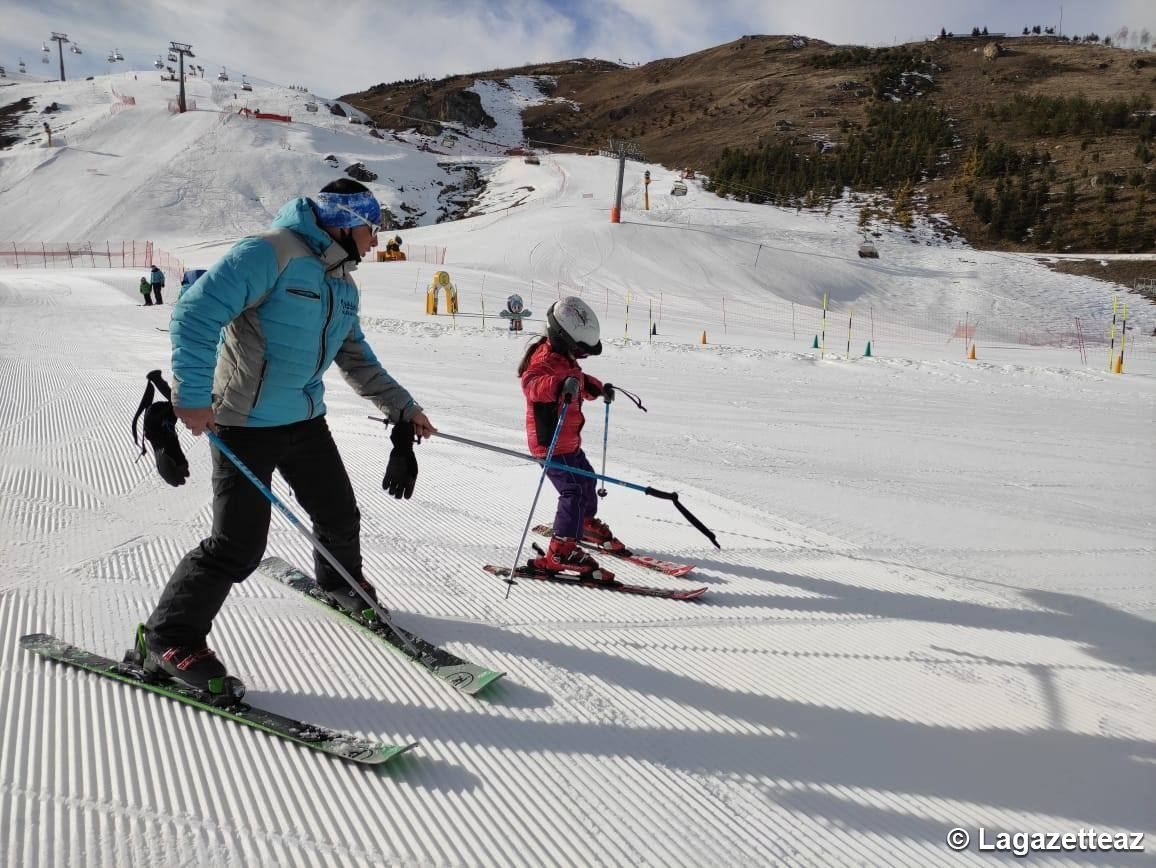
{"x":596,"y":533}
{"x":564,"y":556}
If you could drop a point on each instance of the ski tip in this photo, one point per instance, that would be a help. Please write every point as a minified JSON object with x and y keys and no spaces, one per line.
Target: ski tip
{"x":480,"y":682}
{"x":385,"y":753}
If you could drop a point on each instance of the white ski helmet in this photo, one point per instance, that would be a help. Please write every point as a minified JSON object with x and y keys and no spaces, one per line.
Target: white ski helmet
{"x":571,"y":322}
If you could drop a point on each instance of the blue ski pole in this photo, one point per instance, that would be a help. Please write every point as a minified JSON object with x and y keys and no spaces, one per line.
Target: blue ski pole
{"x":289,"y":515}
{"x":546,"y":463}
{"x":569,"y":390}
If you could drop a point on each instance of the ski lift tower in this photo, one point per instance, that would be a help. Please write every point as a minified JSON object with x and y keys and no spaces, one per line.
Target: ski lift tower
{"x":621,"y":149}
{"x":182,"y":50}
{"x":60,"y":39}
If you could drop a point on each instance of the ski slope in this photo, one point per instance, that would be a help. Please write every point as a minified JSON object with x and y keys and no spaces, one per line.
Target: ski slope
{"x":933,"y":604}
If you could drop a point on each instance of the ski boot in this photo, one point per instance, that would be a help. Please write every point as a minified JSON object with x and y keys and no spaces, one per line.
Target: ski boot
{"x":351,"y":602}
{"x":565,"y":556}
{"x":596,"y":533}
{"x":196,"y":667}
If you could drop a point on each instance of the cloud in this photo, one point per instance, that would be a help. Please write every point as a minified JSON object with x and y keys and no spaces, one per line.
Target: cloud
{"x":336,"y":48}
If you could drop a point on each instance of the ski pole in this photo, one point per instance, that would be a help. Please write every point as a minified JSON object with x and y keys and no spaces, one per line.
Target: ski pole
{"x":317,"y":544}
{"x":608,"y":397}
{"x":569,"y":390}
{"x":547,"y":463}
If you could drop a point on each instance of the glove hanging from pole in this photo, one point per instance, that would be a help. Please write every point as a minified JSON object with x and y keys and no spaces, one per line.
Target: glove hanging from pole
{"x":160,"y":430}
{"x":401,"y":472}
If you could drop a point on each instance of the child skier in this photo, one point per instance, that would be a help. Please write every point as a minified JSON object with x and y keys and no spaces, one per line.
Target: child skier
{"x":146,"y":290}
{"x":549,"y":362}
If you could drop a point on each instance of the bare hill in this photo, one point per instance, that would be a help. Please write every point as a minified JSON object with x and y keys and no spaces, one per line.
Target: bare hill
{"x":771,"y":91}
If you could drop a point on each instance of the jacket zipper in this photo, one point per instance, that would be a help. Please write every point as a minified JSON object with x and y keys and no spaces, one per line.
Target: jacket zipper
{"x":324,"y":332}
{"x":260,"y":385}
{"x":325,"y":327}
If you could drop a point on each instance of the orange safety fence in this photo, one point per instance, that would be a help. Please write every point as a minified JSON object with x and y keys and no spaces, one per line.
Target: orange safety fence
{"x":90,"y":254}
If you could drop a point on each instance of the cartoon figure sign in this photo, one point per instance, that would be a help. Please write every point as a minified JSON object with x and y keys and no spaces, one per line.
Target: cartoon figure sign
{"x":515,"y":312}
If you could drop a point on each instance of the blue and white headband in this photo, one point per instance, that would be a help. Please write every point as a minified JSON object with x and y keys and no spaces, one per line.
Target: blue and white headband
{"x":348,"y":210}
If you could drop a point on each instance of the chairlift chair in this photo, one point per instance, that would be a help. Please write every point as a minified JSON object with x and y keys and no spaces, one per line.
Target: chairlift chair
{"x":222,"y":75}
{"x":44,"y":58}
{"x":867,"y":250}
{"x":75,"y":49}
{"x":172,"y":57}
{"x":678,"y":189}
{"x":158,"y":63}
{"x":3,"y":72}
{"x":23,"y":68}
{"x":44,"y":47}
{"x":116,"y":53}
{"x":310,"y":106}
{"x":111,"y":57}
{"x":245,"y":85}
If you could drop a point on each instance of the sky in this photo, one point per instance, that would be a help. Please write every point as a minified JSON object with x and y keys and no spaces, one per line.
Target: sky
{"x":358,"y":43}
{"x":933,"y":605}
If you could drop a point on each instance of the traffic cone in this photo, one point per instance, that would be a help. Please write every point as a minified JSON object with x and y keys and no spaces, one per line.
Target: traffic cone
{"x":971,"y":353}
{"x":704,"y":337}
{"x":867,"y":352}
{"x":815,"y":344}
{"x":1118,"y":367}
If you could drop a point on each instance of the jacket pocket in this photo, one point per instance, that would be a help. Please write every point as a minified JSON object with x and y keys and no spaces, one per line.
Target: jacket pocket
{"x":304,"y":293}
{"x":545,"y":421}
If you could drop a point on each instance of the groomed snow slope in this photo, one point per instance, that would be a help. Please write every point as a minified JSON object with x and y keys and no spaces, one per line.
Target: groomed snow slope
{"x":933,"y":605}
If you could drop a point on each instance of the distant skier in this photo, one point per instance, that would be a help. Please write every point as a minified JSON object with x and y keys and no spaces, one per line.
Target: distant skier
{"x":146,"y":291}
{"x":252,"y":340}
{"x":157,"y":281}
{"x":548,"y":366}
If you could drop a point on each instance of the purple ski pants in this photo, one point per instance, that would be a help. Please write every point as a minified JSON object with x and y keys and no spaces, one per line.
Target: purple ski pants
{"x":577,"y":497}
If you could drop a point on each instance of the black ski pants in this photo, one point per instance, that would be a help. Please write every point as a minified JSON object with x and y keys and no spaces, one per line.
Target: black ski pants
{"x":307,"y":458}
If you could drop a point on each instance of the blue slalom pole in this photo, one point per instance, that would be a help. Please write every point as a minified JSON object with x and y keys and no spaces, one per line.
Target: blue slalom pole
{"x":289,"y":515}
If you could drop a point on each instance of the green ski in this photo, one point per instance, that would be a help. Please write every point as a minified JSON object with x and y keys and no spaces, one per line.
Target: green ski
{"x":461,"y":674}
{"x":319,"y":738}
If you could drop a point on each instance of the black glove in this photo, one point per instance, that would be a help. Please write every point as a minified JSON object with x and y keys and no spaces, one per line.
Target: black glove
{"x":608,"y":392}
{"x":160,"y":429}
{"x":569,"y":387}
{"x":401,"y":472}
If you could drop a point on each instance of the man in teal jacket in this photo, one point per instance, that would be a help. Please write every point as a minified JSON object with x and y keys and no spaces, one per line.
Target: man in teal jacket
{"x":251,"y":342}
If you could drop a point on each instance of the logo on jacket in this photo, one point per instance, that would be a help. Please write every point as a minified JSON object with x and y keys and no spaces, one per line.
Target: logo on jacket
{"x":348,"y":307}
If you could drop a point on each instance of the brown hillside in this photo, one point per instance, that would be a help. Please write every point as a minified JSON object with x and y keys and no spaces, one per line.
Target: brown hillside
{"x":684,"y":111}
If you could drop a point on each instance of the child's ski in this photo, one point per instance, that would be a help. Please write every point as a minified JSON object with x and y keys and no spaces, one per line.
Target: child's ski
{"x":527,"y":572}
{"x":465,"y":676}
{"x":668,"y":568}
{"x":319,"y":738}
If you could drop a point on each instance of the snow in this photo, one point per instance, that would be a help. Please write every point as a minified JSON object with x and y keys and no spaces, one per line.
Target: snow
{"x":933,"y":604}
